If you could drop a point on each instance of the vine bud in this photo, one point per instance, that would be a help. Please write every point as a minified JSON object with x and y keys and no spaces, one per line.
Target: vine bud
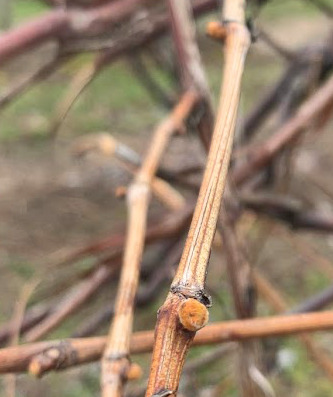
{"x":193,"y":315}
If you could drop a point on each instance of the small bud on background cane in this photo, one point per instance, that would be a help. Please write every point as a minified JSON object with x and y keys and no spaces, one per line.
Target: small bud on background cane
{"x":135,"y":372}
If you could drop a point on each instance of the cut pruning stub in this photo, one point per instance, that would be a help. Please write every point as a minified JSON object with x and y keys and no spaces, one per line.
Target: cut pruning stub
{"x":193,"y":315}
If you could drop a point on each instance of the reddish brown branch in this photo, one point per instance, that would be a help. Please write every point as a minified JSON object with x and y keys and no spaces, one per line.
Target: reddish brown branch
{"x":288,"y":210}
{"x":60,"y":24}
{"x":138,"y":34}
{"x":263,"y":154}
{"x":32,"y":33}
{"x":73,"y":24}
{"x":71,"y":301}
{"x":72,"y":352}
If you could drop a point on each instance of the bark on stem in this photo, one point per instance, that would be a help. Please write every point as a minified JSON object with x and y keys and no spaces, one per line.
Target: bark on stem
{"x":115,"y":363}
{"x":172,"y":339}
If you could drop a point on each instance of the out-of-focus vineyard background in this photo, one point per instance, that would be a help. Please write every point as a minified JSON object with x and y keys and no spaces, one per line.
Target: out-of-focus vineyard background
{"x":51,"y":202}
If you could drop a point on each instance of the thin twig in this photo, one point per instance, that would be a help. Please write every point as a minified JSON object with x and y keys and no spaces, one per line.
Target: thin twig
{"x":32,"y":79}
{"x":78,"y":84}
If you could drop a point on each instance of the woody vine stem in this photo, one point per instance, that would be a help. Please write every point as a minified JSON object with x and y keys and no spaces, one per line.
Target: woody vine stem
{"x":185,"y":309}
